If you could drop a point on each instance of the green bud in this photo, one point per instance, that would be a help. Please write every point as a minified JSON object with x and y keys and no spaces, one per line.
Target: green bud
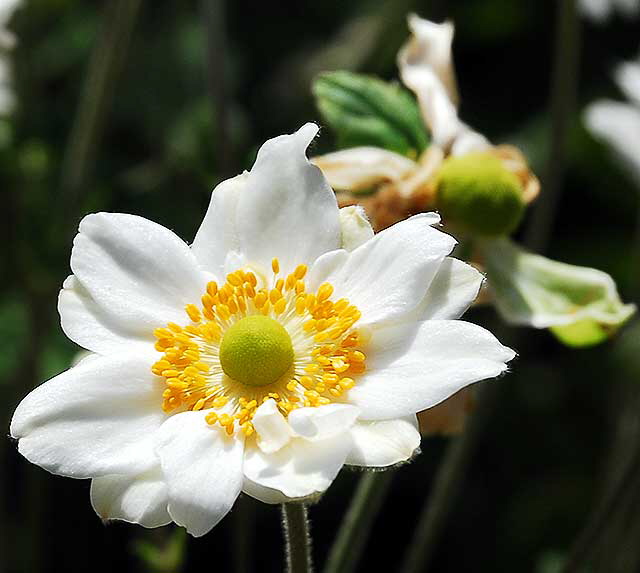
{"x":476,"y":193}
{"x":256,"y":351}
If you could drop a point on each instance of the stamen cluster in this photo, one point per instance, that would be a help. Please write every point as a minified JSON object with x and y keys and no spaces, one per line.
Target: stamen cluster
{"x":327,"y":349}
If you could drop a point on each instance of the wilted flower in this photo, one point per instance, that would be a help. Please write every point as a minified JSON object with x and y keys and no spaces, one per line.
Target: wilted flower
{"x":481,"y":191}
{"x":287,"y":341}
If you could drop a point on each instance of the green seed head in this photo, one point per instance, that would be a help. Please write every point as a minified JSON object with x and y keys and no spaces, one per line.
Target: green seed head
{"x":256,"y":350}
{"x":476,"y":193}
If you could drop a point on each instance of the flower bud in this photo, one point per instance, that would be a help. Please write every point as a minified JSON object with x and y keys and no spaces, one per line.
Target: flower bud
{"x":479,"y":195}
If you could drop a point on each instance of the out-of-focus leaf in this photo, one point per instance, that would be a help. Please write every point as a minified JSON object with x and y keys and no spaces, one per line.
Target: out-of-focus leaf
{"x":166,"y":559}
{"x":13,"y":331}
{"x":581,"y":305}
{"x":364,"y":110}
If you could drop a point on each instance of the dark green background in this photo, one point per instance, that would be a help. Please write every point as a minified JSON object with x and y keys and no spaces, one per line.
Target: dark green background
{"x":543,"y":460}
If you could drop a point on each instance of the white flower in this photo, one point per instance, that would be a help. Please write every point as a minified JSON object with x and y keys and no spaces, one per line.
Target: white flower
{"x":618,"y":123}
{"x":261,"y":359}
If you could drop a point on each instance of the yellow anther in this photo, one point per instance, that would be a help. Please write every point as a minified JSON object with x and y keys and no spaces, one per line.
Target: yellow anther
{"x":223,"y":296}
{"x":292,"y":385}
{"x":347,"y":383}
{"x":242,"y":305}
{"x":275,"y":265}
{"x":260,"y":299}
{"x":199,"y":404}
{"x":251,"y":279}
{"x":300,"y":272}
{"x":280,"y":284}
{"x":299,"y":287}
{"x":175,"y":327}
{"x":177,"y":384}
{"x":300,"y":305}
{"x":201,"y":366}
{"x":234,"y":279}
{"x":357,"y":356}
{"x":275,"y":295}
{"x":208,"y":314}
{"x":207,"y":300}
{"x":265,"y":308}
{"x":170,"y":373}
{"x":193,"y":312}
{"x":162,"y":333}
{"x":212,"y":288}
{"x":249,"y":290}
{"x":325,"y":291}
{"x":232,"y":305}
{"x":211,"y":418}
{"x":309,"y":325}
{"x":290,"y":282}
{"x":311,"y":301}
{"x":247,"y":428}
{"x":223,"y":311}
{"x":311,"y":368}
{"x":220,"y":401}
{"x":280,"y":306}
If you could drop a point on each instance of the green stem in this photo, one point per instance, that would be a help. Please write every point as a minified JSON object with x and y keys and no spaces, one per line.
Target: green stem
{"x":107,"y":59}
{"x":564,"y":86}
{"x":356,"y":525}
{"x":448,"y":482}
{"x":295,"y":525}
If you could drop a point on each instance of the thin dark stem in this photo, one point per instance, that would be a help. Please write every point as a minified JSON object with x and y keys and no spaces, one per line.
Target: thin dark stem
{"x":214,"y":19}
{"x":598,"y":522}
{"x":295,"y":525}
{"x":448,"y":482}
{"x":564,"y":85}
{"x":243,"y":535}
{"x":106,"y":63}
{"x":358,"y":521}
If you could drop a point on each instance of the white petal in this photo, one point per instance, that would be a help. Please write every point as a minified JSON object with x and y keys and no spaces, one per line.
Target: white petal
{"x":140,"y":499}
{"x":387,"y":276}
{"x":264,"y":494}
{"x":627,"y":76}
{"x":203,"y":470}
{"x":451,"y":292}
{"x":384,"y":443}
{"x":355,"y":227}
{"x":271,"y":426}
{"x":300,"y":469}
{"x":360,"y":168}
{"x":323,"y":422}
{"x":140,"y":274}
{"x":219,"y":232}
{"x":618,"y":125}
{"x":88,"y":325}
{"x":409,"y":371}
{"x":95,"y":419}
{"x":287,"y":209}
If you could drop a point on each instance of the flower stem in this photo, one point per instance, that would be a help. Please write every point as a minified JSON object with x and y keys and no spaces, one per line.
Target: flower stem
{"x":564,"y":85}
{"x":356,"y":525}
{"x":448,"y":481}
{"x":295,"y":526}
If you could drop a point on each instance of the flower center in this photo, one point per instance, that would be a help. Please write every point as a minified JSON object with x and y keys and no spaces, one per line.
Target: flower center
{"x":256,"y":351}
{"x":258,"y":338}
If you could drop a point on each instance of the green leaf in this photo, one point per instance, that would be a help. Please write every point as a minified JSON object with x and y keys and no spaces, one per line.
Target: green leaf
{"x":364,"y":110}
{"x":580,"y":305}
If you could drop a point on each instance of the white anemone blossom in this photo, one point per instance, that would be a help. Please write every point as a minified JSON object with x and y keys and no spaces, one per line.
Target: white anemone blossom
{"x":284,"y":343}
{"x":618,"y":123}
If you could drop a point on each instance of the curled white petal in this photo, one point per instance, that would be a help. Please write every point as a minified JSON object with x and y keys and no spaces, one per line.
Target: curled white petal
{"x":287,"y":209}
{"x":355,"y":227}
{"x":301,"y":469}
{"x":202,"y":467}
{"x":409,"y":371}
{"x":97,"y":418}
{"x":384,"y":443}
{"x":140,"y":274}
{"x":323,"y":422}
{"x":360,"y":168}
{"x":271,"y":426}
{"x":139,"y":498}
{"x":387,"y":276}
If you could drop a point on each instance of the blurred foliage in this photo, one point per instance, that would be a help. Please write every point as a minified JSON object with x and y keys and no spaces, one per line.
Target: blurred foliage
{"x":537,"y":472}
